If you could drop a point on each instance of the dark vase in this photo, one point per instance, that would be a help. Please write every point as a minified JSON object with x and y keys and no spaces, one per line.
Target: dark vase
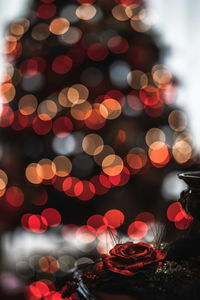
{"x":190,"y":198}
{"x":189,"y":244}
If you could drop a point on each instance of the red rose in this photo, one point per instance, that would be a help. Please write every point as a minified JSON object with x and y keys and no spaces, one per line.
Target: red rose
{"x":128,"y":258}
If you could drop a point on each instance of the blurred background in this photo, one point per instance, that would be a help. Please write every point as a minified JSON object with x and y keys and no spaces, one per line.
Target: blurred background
{"x":98,"y":115}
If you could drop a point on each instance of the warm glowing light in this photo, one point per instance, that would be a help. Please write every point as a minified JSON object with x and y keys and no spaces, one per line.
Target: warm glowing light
{"x":3,"y":180}
{"x":139,"y":26}
{"x":77,"y":94}
{"x":136,"y":158}
{"x":8,"y":72}
{"x":47,"y":110}
{"x":63,"y":98}
{"x":110,"y":109}
{"x":27,"y":104}
{"x":46,"y":169}
{"x":161,"y":76}
{"x":10,"y":45}
{"x":182,"y":151}
{"x":112,"y":165}
{"x":59,"y":26}
{"x":48,"y":264}
{"x":119,"y":13}
{"x":7,"y":92}
{"x":154,"y":135}
{"x":95,"y":120}
{"x":40,"y":32}
{"x":158,"y":152}
{"x":32,"y":174}
{"x":63,"y":166}
{"x":86,"y":12}
{"x":137,"y":79}
{"x":107,"y":150}
{"x":16,"y":29}
{"x":81,"y":111}
{"x":92,"y":144}
{"x":2,"y":192}
{"x":177,"y":120}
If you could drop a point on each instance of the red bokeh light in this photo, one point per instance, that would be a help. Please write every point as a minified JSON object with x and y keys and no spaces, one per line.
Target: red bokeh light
{"x":46,"y":11}
{"x":37,"y":224}
{"x":6,"y":116}
{"x":177,"y":214}
{"x":134,"y":102}
{"x":84,"y":190}
{"x":95,"y":121}
{"x":47,"y":1}
{"x":24,"y":221}
{"x":146,"y":217}
{"x":154,"y":111}
{"x":52,"y":216}
{"x":16,"y":53}
{"x":117,"y":95}
{"x":62,"y":64}
{"x":121,"y":179}
{"x":174,"y":212}
{"x":104,"y":180}
{"x":86,"y":1}
{"x":96,"y":221}
{"x":118,"y":44}
{"x":127,"y":2}
{"x":58,"y":183}
{"x":97,"y":52}
{"x":15,"y":196}
{"x":20,"y":121}
{"x":40,"y":198}
{"x":114,"y":218}
{"x":33,"y":66}
{"x":62,"y":127}
{"x":137,"y":230}
{"x":69,"y":184}
{"x":99,"y":188}
{"x":41,"y":127}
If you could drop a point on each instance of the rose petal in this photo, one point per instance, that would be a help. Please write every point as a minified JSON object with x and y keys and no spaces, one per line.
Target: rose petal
{"x":128,"y":258}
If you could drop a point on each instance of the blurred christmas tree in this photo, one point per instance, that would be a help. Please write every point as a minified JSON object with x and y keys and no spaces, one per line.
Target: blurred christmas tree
{"x":88,"y":125}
